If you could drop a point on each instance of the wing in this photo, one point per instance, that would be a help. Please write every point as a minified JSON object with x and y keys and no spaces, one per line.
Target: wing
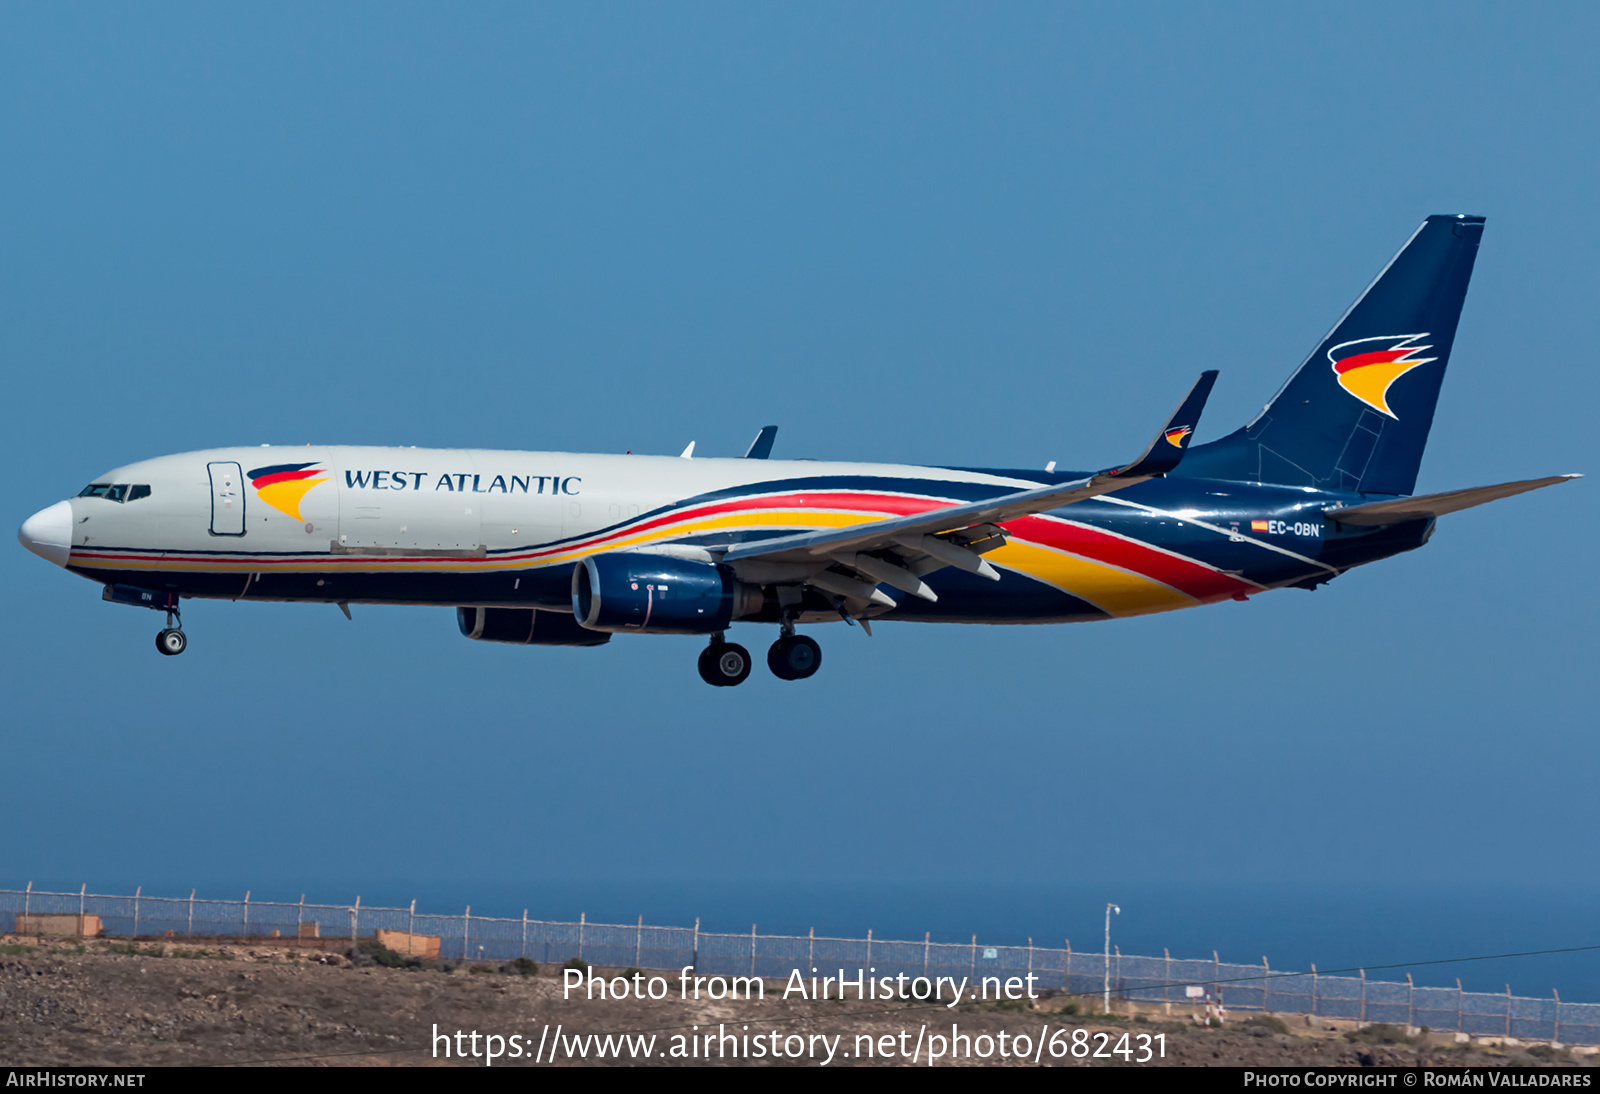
{"x":900,"y":551}
{"x":1435,"y":505}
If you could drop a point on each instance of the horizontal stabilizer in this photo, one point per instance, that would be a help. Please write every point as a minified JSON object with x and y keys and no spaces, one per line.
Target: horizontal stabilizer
{"x":1434,"y":505}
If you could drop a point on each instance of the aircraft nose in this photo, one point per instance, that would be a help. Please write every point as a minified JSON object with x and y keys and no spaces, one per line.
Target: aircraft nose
{"x":48,"y":533}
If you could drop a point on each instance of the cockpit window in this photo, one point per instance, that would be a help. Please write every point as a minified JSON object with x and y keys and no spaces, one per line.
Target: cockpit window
{"x":119,"y":492}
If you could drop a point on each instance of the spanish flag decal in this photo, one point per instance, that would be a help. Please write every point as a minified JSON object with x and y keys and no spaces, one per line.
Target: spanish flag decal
{"x":1260,"y":525}
{"x":283,"y":485}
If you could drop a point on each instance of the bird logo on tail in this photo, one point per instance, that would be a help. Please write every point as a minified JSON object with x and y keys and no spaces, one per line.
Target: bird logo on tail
{"x":1368,"y":366}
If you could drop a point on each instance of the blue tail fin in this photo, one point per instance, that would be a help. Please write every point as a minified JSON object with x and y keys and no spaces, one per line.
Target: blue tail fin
{"x":1355,"y":416}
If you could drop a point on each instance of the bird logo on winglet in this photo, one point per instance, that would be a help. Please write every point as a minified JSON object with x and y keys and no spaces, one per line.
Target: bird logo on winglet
{"x":1176,"y":436}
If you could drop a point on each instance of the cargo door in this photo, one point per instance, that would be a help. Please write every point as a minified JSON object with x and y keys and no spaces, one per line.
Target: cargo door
{"x":227,"y":499}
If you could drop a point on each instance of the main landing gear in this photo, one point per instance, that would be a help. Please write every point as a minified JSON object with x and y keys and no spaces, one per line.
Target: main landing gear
{"x":725,"y":664}
{"x":794,"y":657}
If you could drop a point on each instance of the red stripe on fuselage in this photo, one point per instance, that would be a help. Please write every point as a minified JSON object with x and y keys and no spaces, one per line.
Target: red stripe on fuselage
{"x":889,"y":505}
{"x":1190,"y":578}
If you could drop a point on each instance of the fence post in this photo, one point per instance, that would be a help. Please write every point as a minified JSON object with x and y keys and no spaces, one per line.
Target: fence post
{"x":1166,"y":979}
{"x":1363,"y":995}
{"x":1458,"y":1004}
{"x":869,"y":947}
{"x":1066,"y":974}
{"x":81,"y":894}
{"x":1555,"y":1036}
{"x":191,"y":914}
{"x":411,"y":919}
{"x":1411,"y":1005}
{"x":27,"y":900}
{"x":466,"y":934}
{"x":811,"y":951}
{"x":694,"y":955}
{"x":137,"y":890}
{"x":299,"y":918}
{"x":1266,"y":984}
{"x":1121,"y":995}
{"x":246,"y":933}
{"x":355,"y":915}
{"x":524,"y":951}
{"x":1313,"y":987}
{"x":927,"y":942}
{"x":973,"y":976}
{"x":1508,"y":1010}
{"x":753,"y":949}
{"x":1030,"y":964}
{"x":582,"y":920}
{"x":1216,"y":975}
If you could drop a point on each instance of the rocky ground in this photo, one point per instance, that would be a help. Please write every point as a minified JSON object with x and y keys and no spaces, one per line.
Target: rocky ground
{"x":157,"y":1003}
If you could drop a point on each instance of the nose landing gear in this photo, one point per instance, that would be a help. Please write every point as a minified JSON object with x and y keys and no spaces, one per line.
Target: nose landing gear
{"x":172,"y":641}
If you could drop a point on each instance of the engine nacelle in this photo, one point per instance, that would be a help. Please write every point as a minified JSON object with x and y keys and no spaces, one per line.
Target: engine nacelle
{"x":526,"y":627}
{"x":642,"y":593}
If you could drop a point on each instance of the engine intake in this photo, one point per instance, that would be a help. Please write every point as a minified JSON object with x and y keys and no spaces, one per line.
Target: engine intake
{"x":526,"y":627}
{"x":642,"y":593}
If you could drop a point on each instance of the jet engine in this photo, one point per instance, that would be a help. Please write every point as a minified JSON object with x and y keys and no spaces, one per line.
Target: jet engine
{"x":642,"y":593}
{"x":526,"y":627}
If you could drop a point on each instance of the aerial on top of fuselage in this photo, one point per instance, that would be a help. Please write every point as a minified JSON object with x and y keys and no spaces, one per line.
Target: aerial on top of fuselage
{"x":566,"y":548}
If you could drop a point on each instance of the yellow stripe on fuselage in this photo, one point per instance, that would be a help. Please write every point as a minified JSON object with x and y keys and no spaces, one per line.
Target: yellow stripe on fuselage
{"x":741,"y":521}
{"x":1108,"y":588}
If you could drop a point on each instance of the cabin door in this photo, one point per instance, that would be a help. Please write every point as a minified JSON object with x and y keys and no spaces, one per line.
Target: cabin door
{"x":227,"y":499}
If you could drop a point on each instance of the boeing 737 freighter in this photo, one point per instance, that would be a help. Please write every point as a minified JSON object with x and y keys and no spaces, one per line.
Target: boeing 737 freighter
{"x":558,"y":548}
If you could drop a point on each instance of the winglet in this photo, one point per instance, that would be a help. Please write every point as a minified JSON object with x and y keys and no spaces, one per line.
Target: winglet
{"x":761,"y":447}
{"x":1166,"y":451}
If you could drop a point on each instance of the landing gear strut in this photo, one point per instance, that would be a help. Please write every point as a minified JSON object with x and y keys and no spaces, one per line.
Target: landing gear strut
{"x":171,"y":641}
{"x":724,"y":664}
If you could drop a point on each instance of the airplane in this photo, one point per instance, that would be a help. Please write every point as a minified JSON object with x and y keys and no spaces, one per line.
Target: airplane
{"x":566,"y":549}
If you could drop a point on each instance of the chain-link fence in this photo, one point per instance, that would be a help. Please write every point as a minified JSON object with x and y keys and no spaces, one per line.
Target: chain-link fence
{"x":1141,"y":979}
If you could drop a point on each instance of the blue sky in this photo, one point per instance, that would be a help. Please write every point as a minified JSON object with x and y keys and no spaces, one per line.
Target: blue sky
{"x":956,"y":234}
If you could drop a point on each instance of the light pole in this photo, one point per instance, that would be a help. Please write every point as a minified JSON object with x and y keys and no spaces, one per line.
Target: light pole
{"x":1110,"y":910}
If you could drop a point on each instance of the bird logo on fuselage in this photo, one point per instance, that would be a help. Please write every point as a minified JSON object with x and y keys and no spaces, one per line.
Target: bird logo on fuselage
{"x":283,"y":485}
{"x":1366,"y":367}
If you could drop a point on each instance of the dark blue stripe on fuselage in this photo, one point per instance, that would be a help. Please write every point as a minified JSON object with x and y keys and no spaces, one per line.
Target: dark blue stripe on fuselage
{"x":1226,"y":505}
